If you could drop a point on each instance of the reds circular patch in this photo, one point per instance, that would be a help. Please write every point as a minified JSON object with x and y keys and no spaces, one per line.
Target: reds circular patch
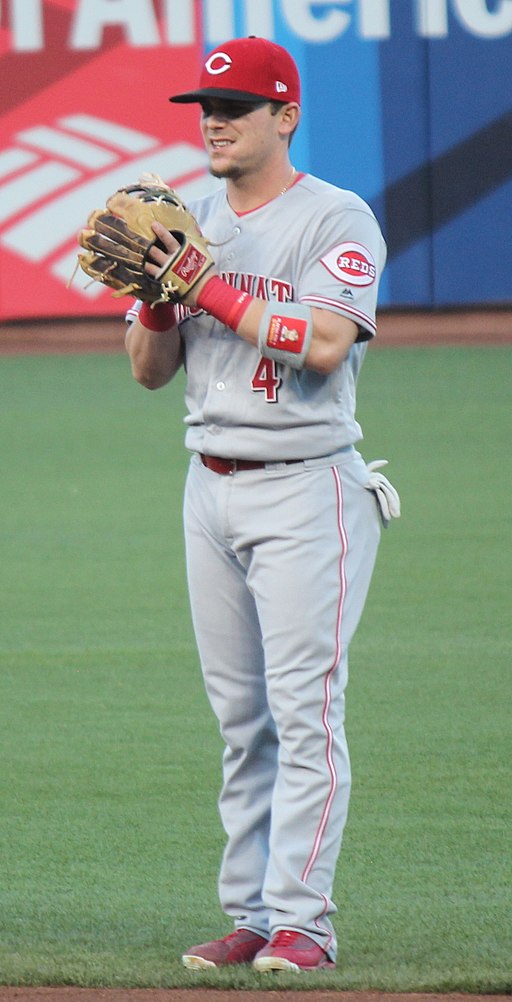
{"x":352,"y":263}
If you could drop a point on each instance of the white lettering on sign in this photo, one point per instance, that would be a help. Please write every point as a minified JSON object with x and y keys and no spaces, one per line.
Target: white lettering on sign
{"x":220,"y":23}
{"x":479,"y":20}
{"x":372,"y":18}
{"x":474,"y":15}
{"x":26,"y":24}
{"x":173,"y":22}
{"x":432,"y":18}
{"x":135,"y":17}
{"x":179,"y":22}
{"x":302,"y":20}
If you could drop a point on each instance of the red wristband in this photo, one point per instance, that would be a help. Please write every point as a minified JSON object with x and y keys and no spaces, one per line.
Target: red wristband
{"x":160,"y":317}
{"x":223,"y":302}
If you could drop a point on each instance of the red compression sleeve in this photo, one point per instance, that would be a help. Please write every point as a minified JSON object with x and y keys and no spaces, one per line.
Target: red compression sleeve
{"x":159,"y":318}
{"x":223,"y":302}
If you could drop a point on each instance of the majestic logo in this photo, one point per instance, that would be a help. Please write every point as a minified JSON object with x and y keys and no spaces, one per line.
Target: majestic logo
{"x":352,"y":263}
{"x":218,"y":63}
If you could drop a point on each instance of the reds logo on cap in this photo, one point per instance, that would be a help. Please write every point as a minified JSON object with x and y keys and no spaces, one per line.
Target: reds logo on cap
{"x":245,"y":68}
{"x":218,"y":63}
{"x":352,"y":263}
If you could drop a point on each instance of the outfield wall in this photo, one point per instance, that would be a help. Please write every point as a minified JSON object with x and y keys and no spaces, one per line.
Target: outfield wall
{"x":402,"y":328}
{"x":409,"y":102}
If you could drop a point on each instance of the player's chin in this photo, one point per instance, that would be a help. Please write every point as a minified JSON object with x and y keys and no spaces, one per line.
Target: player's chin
{"x":223,"y":169}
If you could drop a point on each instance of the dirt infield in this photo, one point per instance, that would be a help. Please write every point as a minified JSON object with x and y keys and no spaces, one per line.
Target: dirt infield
{"x":70,"y":994}
{"x":395,"y":328}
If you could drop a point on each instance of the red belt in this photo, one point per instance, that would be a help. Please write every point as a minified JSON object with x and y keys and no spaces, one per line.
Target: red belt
{"x":226,"y":466}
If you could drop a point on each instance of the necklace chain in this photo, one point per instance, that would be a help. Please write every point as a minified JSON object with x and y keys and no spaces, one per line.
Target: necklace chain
{"x":288,"y":183}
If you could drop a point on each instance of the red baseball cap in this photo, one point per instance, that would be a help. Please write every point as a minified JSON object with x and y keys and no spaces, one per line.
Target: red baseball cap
{"x":244,"y":69}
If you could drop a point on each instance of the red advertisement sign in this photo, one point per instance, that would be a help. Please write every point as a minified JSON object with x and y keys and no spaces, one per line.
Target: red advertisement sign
{"x":84,"y":87}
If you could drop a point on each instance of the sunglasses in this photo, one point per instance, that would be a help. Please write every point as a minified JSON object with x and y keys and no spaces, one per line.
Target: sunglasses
{"x":230,"y":109}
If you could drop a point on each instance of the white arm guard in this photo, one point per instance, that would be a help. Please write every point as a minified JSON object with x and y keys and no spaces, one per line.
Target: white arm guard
{"x":285,"y":333}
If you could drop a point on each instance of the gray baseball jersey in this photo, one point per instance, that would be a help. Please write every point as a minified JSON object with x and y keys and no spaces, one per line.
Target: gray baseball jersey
{"x":317,"y":245}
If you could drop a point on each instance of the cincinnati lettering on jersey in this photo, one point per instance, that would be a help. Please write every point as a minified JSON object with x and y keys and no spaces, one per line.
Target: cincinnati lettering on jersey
{"x":260,"y":286}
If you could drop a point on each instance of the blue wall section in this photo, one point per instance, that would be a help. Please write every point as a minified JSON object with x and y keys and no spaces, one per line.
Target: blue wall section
{"x":471,"y":112}
{"x":409,"y":103}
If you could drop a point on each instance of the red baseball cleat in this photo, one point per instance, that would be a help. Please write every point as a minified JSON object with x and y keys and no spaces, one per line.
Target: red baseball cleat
{"x":239,"y":947}
{"x":291,"y":951}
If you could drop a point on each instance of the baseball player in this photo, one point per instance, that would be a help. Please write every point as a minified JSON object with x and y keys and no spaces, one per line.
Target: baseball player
{"x":281,"y":522}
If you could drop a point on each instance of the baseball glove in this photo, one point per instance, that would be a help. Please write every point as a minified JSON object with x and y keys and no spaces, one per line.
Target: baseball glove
{"x":117,"y":241}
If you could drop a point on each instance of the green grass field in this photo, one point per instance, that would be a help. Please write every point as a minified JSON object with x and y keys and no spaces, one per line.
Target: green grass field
{"x":109,"y":834}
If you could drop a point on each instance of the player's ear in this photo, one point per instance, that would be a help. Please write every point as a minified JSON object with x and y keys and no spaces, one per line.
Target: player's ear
{"x":289,"y":116}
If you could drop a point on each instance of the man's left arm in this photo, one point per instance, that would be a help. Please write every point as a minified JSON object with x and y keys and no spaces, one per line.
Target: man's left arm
{"x":332,"y":335}
{"x":294,"y":333}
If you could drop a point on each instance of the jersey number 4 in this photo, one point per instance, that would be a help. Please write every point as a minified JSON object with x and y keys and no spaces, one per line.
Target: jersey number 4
{"x":266,"y":380}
